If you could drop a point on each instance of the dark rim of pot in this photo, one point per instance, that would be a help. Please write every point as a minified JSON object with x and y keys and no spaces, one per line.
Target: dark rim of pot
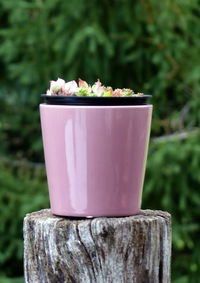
{"x":94,"y":100}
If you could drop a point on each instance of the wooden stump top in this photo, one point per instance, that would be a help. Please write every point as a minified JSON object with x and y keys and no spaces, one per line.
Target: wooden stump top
{"x":44,"y":214}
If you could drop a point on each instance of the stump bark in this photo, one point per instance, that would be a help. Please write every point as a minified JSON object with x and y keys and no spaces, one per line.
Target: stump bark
{"x":126,"y":249}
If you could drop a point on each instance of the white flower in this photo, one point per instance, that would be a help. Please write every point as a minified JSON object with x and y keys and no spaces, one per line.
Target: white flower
{"x":56,"y":86}
{"x":70,"y":88}
{"x":48,"y":92}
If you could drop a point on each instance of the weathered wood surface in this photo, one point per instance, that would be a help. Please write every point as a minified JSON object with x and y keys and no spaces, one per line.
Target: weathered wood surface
{"x":126,"y":249}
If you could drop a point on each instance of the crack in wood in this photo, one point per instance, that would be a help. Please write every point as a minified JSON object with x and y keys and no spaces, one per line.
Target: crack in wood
{"x":91,"y":267}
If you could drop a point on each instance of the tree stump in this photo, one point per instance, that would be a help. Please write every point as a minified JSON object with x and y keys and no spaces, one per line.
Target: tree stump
{"x":124,"y":249}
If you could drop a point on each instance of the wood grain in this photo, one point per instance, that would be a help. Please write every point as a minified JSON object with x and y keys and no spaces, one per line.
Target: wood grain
{"x":125,"y":249}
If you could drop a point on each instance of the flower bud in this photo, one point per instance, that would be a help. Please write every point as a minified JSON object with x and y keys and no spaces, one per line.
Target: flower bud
{"x":82,"y":84}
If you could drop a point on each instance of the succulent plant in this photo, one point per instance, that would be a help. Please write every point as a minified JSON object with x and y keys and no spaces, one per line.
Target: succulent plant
{"x":82,"y":88}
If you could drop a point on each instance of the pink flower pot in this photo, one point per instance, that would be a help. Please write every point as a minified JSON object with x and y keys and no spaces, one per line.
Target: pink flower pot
{"x":95,"y":158}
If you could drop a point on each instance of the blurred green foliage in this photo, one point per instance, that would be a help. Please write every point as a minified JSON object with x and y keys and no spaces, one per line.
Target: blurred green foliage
{"x":172,"y":182}
{"x":147,"y":45}
{"x":23,"y":190}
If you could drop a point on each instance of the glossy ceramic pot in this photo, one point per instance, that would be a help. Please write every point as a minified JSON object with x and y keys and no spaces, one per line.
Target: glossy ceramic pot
{"x":95,"y":158}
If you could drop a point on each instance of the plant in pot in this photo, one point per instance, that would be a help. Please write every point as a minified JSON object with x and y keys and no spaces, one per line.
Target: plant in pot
{"x":95,"y":144}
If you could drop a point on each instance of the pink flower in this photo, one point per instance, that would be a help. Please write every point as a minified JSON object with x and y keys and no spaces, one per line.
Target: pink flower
{"x":97,"y":88}
{"x":117,"y":92}
{"x":69,"y":88}
{"x":82,"y":84}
